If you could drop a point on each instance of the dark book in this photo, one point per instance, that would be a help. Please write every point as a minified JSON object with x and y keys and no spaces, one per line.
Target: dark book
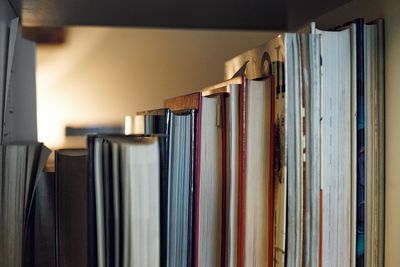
{"x":108,"y":207}
{"x":45,"y":222}
{"x":91,"y":221}
{"x":21,"y":166}
{"x":71,"y":199}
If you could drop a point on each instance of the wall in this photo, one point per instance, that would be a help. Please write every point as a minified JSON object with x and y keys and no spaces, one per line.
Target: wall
{"x":102,"y":74}
{"x":390,"y":11}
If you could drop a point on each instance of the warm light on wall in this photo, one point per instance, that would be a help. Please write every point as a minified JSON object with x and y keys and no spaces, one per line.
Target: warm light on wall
{"x":50,"y":127}
{"x":100,"y":75}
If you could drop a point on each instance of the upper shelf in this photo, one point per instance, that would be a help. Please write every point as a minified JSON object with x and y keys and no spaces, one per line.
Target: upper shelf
{"x":205,"y":14}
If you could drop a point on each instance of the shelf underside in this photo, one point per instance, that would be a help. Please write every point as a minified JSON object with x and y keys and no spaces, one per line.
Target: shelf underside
{"x":205,"y":14}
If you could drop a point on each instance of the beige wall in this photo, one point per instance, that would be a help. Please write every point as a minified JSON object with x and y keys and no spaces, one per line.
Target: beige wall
{"x":390,"y":11}
{"x":392,"y":15}
{"x":102,"y":74}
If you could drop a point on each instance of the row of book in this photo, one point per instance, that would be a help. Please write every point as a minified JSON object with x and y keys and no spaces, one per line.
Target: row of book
{"x":282,"y":164}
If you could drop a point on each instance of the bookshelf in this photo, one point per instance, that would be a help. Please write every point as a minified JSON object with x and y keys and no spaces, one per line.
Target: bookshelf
{"x":370,"y":9}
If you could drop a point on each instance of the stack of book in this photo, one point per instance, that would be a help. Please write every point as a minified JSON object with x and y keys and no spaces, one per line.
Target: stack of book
{"x":282,"y":164}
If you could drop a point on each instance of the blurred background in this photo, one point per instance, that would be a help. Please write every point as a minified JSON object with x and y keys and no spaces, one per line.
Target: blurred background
{"x":95,"y":76}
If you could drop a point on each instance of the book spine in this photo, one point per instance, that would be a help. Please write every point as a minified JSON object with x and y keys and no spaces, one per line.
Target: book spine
{"x":193,"y":135}
{"x":271,"y":178}
{"x":361,"y":139}
{"x":56,"y":221}
{"x":92,"y":238}
{"x":222,"y":114}
{"x":165,"y":143}
{"x":197,"y":186}
{"x":242,"y":170}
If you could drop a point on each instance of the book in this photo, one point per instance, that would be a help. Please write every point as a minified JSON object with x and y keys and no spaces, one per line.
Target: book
{"x":210,"y":222}
{"x":208,"y":193}
{"x":210,"y":183}
{"x":126,"y":196}
{"x":181,"y":188}
{"x":233,"y":174}
{"x":296,"y":75}
{"x":257,"y":173}
{"x":7,"y":14}
{"x":336,"y":139}
{"x":92,"y":236}
{"x":363,"y":112}
{"x":356,"y":28}
{"x":290,"y":66}
{"x":177,"y":181}
{"x":71,"y":209}
{"x":19,"y":110}
{"x":21,"y":167}
{"x":45,"y":248}
{"x":158,"y":122}
{"x":367,"y":179}
{"x":375,"y":153}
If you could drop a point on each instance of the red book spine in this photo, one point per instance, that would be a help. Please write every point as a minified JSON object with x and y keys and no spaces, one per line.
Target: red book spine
{"x":242,"y":175}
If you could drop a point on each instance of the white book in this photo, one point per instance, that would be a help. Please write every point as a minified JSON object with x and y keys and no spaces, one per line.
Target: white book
{"x":336,"y":133}
{"x":257,"y":174}
{"x":292,"y":62}
{"x":302,"y":81}
{"x":210,"y":200}
{"x":140,"y":164}
{"x":131,"y":169}
{"x":232,"y":185}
